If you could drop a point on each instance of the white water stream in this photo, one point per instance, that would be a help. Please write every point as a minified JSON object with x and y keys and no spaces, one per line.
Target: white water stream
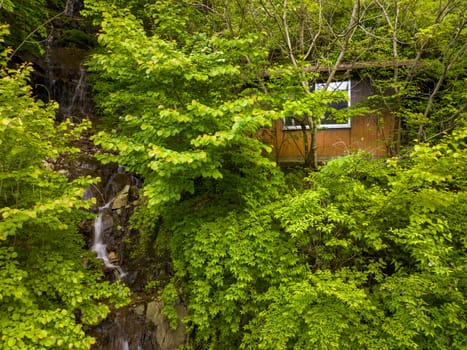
{"x":72,"y":8}
{"x":99,"y":246}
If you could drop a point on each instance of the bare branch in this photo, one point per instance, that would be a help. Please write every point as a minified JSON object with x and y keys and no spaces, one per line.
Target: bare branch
{"x":34,"y":32}
{"x":348,"y":33}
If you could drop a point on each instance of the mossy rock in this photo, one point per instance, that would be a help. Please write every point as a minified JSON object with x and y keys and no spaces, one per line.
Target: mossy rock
{"x":76,"y":38}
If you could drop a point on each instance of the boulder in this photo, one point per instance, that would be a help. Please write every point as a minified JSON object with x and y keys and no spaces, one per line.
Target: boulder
{"x":121,"y":200}
{"x":166,"y":337}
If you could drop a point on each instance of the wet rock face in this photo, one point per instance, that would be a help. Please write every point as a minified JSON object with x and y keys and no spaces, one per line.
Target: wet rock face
{"x":60,"y":74}
{"x":67,"y":83}
{"x":166,"y":337}
{"x":73,"y":7}
{"x":114,"y":199}
{"x":140,"y":326}
{"x":127,"y":329}
{"x":122,"y":198}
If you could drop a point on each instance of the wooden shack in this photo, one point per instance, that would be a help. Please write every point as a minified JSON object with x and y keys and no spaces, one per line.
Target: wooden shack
{"x":371,"y":133}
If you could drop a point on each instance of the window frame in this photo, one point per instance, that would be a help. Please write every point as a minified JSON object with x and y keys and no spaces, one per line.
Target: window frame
{"x":333,"y":86}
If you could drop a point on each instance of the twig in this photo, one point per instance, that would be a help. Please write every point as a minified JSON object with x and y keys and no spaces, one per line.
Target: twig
{"x":33,"y":32}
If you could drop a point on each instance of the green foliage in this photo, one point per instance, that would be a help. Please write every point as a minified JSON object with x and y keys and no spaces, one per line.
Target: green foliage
{"x":32,"y":20}
{"x":371,"y":256}
{"x":425,"y":95}
{"x":49,"y":290}
{"x":368,"y":254}
{"x":25,"y":17}
{"x":170,"y":298}
{"x":228,"y":262}
{"x":178,"y":121}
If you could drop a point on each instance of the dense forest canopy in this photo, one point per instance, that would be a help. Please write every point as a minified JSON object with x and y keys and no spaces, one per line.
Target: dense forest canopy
{"x":357,"y":253}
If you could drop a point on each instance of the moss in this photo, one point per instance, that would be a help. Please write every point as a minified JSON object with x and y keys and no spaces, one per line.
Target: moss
{"x":76,"y":38}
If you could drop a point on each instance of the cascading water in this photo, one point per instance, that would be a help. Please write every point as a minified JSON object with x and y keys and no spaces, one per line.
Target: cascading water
{"x":79,"y":103}
{"x":99,"y":246}
{"x":141,"y":325}
{"x":49,"y":65}
{"x":64,"y":76}
{"x":66,"y":80}
{"x":73,"y":7}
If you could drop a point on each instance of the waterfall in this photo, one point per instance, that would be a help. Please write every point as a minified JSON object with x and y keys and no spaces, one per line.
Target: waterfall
{"x":142,"y":324}
{"x":121,"y":343}
{"x":49,"y":65}
{"x":99,"y":246}
{"x":64,"y":78}
{"x":73,"y":7}
{"x":79,"y":104}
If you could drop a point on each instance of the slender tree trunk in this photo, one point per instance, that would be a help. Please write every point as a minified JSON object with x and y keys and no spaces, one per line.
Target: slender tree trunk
{"x":394,"y":26}
{"x":311,"y":159}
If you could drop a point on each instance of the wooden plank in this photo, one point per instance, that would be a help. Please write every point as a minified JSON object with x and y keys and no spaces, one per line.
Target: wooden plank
{"x":366,"y":64}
